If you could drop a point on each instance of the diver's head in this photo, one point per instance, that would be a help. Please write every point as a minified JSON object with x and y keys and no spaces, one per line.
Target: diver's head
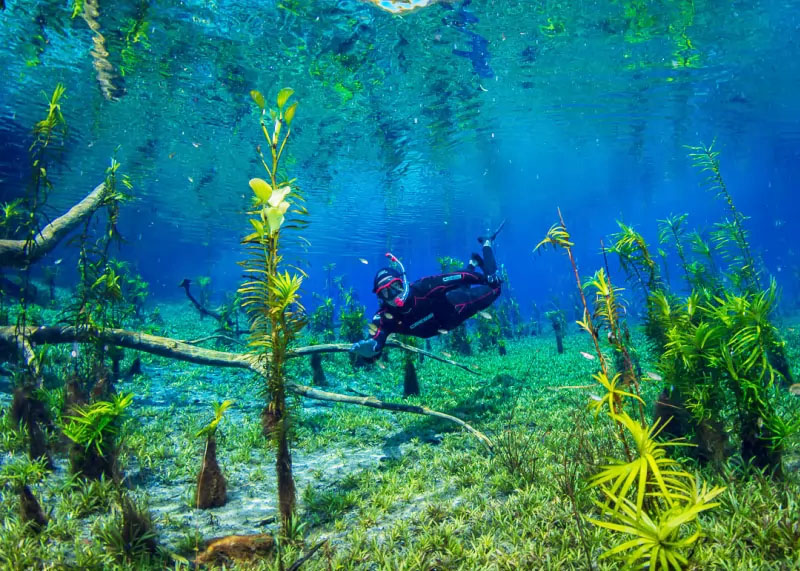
{"x":390,"y":287}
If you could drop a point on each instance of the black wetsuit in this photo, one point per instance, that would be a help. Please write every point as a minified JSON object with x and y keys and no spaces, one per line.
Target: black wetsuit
{"x":436,"y":304}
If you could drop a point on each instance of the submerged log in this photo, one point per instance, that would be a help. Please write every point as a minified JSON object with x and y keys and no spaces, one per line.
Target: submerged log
{"x":20,"y":253}
{"x":182,"y":351}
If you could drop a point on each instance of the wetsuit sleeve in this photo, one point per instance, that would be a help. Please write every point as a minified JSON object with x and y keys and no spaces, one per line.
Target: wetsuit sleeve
{"x":383,"y":328}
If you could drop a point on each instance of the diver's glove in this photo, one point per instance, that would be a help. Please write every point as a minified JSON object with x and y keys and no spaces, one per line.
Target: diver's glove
{"x":367,"y":348}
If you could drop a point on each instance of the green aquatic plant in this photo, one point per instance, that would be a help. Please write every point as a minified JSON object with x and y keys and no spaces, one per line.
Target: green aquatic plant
{"x":96,"y":425}
{"x":722,"y":352}
{"x":11,"y":214}
{"x":658,"y":542}
{"x":271,"y":297}
{"x":93,"y":430}
{"x":648,"y":494}
{"x":210,"y":429}
{"x":650,"y":468}
{"x":352,"y":316}
{"x":99,"y":302}
{"x":730,"y":237}
{"x":322,"y":319}
{"x":129,"y":536}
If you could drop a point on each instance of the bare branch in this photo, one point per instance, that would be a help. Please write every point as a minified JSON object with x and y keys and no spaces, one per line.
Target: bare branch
{"x":13,"y":253}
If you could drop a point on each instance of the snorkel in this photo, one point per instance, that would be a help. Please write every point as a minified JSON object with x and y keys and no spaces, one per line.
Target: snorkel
{"x":400,"y":300}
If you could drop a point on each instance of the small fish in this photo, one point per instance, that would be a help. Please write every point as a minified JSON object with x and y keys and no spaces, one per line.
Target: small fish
{"x":388,"y":315}
{"x":195,"y":145}
{"x":190,"y":179}
{"x":58,"y":261}
{"x":653,"y":376}
{"x":372,"y":328}
{"x":172,"y":155}
{"x":446,"y":354}
{"x":595,"y":398}
{"x":482,"y":88}
{"x":381,"y":365}
{"x":795,"y":389}
{"x":779,"y":223}
{"x":443,"y":331}
{"x":485,"y":315}
{"x":363,"y":261}
{"x":586,"y":355}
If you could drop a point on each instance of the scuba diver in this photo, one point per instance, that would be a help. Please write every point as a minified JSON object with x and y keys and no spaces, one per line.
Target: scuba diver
{"x":431,"y":305}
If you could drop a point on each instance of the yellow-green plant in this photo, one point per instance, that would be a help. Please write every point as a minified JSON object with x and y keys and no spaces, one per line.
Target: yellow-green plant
{"x":648,"y":495}
{"x":219,"y":410}
{"x":650,"y":467}
{"x":271,"y":296}
{"x":96,"y":425}
{"x":658,"y":540}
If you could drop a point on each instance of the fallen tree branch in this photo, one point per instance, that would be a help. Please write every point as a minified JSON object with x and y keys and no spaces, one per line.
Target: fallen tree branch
{"x":345,"y":347}
{"x":373,"y":402}
{"x":14,"y":253}
{"x":210,"y":337}
{"x":182,"y":351}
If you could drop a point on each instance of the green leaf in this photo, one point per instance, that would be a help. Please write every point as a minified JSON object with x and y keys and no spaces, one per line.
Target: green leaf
{"x":283,"y":96}
{"x":288,"y":115}
{"x":258,"y":98}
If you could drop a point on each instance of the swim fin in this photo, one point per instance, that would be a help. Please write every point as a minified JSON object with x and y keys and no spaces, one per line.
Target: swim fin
{"x":482,"y":239}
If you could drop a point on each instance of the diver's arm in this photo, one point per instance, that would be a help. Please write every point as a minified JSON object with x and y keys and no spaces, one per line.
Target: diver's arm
{"x":373,"y":345}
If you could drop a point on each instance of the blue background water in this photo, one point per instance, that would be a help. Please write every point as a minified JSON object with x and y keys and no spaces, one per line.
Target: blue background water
{"x":416,"y":133}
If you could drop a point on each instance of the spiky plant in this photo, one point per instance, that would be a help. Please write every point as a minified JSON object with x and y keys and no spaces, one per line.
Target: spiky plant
{"x":270,"y":296}
{"x":96,"y":425}
{"x":648,"y":493}
{"x":730,"y":237}
{"x":658,"y":542}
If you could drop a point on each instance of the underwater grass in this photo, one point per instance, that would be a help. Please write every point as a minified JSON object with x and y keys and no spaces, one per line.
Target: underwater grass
{"x":387,"y":490}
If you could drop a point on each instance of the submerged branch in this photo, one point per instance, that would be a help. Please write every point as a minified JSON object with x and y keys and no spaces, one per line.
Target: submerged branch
{"x":14,"y":253}
{"x":345,"y":347}
{"x":182,"y":351}
{"x":373,"y":402}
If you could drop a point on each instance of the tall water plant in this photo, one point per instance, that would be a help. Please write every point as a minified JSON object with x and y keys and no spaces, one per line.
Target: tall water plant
{"x":271,"y":295}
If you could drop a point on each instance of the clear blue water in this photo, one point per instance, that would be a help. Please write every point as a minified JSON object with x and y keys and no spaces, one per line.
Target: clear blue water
{"x":415,"y":133}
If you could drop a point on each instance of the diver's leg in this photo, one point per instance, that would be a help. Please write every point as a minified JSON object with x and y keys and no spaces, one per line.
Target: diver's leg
{"x":467,"y":302}
{"x":489,"y":263}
